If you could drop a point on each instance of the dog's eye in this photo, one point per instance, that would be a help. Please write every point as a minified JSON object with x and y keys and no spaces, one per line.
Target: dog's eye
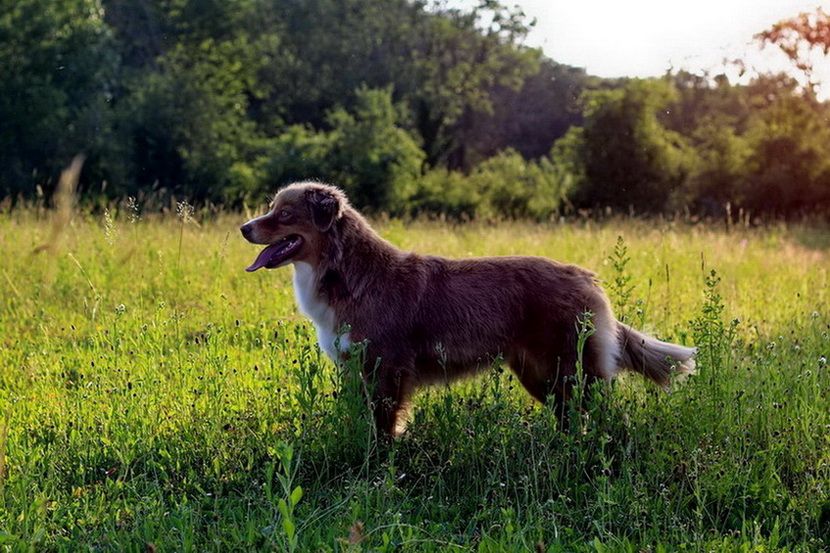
{"x":284,"y":215}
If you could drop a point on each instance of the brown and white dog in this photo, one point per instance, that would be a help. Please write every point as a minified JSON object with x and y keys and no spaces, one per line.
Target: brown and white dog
{"x":428,"y":319}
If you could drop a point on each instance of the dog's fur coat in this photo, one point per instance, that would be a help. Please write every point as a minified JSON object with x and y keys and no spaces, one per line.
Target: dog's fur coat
{"x":427,"y":319}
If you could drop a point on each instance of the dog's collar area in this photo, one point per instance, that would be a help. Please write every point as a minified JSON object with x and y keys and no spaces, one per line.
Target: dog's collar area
{"x":274,"y":255}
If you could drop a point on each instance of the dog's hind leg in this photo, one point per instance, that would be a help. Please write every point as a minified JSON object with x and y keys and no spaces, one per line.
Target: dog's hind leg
{"x":547,"y":384}
{"x":550,"y":379}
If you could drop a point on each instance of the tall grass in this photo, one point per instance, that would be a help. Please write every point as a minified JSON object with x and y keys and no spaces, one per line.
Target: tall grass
{"x":153,"y":391}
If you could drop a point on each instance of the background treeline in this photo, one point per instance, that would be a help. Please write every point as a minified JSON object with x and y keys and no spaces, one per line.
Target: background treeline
{"x":412,"y":107}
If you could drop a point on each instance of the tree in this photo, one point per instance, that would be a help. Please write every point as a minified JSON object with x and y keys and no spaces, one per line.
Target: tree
{"x":366,"y":152}
{"x":184,"y":111}
{"x":805,"y":39}
{"x":720,"y":176}
{"x":625,"y":156}
{"x":376,"y":161}
{"x":788,"y":169}
{"x":234,"y":76}
{"x":528,"y":119}
{"x":459,"y":58}
{"x":56,"y":83}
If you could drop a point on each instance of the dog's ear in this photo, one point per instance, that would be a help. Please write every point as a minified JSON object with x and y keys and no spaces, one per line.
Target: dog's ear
{"x":324,"y":207}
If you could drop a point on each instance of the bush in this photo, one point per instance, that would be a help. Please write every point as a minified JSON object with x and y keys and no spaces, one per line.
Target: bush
{"x":299,"y":153}
{"x":366,"y":153}
{"x":448,"y":193}
{"x":372,"y":158}
{"x":515,"y":188}
{"x":721,"y":169}
{"x":505,"y":185}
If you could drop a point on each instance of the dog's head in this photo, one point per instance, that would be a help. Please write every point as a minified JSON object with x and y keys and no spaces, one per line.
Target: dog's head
{"x":297,"y":225}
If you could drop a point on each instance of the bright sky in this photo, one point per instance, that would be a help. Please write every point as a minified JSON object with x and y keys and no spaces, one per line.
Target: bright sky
{"x":613,"y":38}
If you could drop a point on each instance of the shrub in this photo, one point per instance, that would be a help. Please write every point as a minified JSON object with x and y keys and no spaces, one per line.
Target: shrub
{"x":377,"y":162}
{"x":515,"y":188}
{"x":443,"y":192}
{"x":298,"y":153}
{"x":505,"y":185}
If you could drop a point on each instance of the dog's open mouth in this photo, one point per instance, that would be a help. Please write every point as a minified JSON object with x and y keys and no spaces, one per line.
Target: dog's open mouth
{"x":277,"y":253}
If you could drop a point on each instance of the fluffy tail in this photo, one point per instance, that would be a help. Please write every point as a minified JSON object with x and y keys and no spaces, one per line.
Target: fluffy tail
{"x":651,"y":357}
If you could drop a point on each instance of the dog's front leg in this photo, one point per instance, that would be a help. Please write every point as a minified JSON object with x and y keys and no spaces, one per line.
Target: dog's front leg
{"x":394,"y":384}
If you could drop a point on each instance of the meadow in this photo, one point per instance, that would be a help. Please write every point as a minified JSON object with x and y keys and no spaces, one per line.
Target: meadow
{"x":155,"y":397}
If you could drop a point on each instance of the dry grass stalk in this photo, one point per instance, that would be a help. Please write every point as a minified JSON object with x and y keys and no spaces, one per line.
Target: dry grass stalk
{"x":64,"y":201}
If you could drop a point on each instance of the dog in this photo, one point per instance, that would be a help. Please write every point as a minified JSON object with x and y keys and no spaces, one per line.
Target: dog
{"x":427,"y":319}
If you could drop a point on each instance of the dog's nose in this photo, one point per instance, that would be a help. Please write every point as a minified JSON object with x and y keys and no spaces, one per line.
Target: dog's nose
{"x":246,"y":230}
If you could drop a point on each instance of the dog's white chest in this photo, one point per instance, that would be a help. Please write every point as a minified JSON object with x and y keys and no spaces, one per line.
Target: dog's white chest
{"x":320,"y":313}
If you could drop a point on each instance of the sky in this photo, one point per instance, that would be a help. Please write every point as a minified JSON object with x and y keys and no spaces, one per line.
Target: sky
{"x":642,"y":38}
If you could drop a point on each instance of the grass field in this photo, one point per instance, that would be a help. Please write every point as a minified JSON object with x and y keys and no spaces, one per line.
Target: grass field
{"x":154,"y":396}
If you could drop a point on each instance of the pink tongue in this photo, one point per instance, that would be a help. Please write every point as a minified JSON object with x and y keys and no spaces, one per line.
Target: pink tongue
{"x":264,"y":257}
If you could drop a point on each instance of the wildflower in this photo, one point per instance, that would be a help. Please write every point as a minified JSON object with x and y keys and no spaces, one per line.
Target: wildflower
{"x":184,"y":211}
{"x":132,"y":205}
{"x":109,"y":227}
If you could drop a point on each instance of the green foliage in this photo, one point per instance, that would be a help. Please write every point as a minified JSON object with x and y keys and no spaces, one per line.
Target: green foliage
{"x":691,"y":141}
{"x":187,"y":119}
{"x":221,"y":102}
{"x":722,"y":166}
{"x":366,"y":152}
{"x":292,"y":494}
{"x":372,"y":158}
{"x":628,"y":157}
{"x":515,"y":188}
{"x":620,"y":287}
{"x":528,"y":119}
{"x":448,"y":193}
{"x":762,"y":148}
{"x":789,"y":165}
{"x":192,"y":97}
{"x":503,"y":186}
{"x":459,"y":57}
{"x":298,"y":153}
{"x":57,"y":72}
